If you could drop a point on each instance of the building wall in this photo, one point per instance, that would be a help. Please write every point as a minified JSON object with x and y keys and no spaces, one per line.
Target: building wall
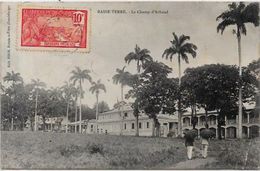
{"x":119,"y":122}
{"x":250,"y":124}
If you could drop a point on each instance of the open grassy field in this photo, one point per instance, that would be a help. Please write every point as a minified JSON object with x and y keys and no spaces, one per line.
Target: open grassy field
{"x":65,"y":151}
{"x":29,"y":150}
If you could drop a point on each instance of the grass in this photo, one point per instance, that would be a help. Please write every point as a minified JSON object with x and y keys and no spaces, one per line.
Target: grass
{"x":235,"y":154}
{"x":29,"y":150}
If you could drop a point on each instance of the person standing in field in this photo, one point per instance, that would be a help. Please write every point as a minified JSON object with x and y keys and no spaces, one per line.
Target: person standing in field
{"x":189,"y":140}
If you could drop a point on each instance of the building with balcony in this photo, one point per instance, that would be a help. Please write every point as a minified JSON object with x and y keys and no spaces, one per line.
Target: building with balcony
{"x":122,"y":122}
{"x":250,"y":123}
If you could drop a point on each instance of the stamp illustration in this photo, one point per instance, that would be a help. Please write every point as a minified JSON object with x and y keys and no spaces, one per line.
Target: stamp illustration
{"x":56,"y":28}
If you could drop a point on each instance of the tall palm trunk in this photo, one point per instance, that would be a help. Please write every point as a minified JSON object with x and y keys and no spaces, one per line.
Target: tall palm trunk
{"x":76,"y":113}
{"x":179,"y":100}
{"x":67,"y":112}
{"x":240,"y":89}
{"x":80,"y":114}
{"x":35,"y":114}
{"x":121,"y":109}
{"x":97,"y":113}
{"x":137,"y":115}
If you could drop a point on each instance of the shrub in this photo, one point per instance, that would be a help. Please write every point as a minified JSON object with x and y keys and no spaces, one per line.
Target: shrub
{"x":96,"y":148}
{"x":70,"y":150}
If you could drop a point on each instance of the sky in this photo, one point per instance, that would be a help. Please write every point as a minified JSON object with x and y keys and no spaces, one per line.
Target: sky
{"x":113,"y":36}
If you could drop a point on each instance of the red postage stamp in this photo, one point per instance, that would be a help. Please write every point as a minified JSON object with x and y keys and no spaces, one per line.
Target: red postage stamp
{"x":54,"y":28}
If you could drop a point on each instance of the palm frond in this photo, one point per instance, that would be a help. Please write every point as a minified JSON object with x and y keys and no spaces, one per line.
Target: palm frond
{"x":130,"y":57}
{"x":251,"y":14}
{"x":223,"y":24}
{"x":183,"y":38}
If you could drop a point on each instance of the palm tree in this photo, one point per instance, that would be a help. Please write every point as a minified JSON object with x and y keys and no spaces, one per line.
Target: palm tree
{"x":14,"y":78}
{"x":95,"y":88}
{"x":79,"y":76}
{"x":36,"y":84}
{"x":121,"y":77}
{"x":141,"y":56}
{"x":181,"y":48}
{"x":239,"y":14}
{"x":68,"y":93}
{"x":75,"y":94}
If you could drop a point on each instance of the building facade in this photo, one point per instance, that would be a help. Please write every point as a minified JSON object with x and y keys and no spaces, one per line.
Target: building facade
{"x":123,"y":122}
{"x":250,"y":124}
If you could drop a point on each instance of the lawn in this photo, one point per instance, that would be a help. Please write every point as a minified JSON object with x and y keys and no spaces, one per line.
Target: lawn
{"x":29,"y":150}
{"x":40,"y":150}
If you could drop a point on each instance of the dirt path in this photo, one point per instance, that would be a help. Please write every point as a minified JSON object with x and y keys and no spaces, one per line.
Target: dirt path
{"x":195,"y":163}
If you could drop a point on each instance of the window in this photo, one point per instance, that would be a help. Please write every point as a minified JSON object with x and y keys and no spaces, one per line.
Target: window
{"x":125,"y":114}
{"x":125,"y":125}
{"x":133,"y":125}
{"x":91,"y":128}
{"x":147,"y":125}
{"x":140,"y":125}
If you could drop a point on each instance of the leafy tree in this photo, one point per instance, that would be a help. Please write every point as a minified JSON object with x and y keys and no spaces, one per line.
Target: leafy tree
{"x":239,"y":14}
{"x":22,"y":105}
{"x":254,"y":67}
{"x":5,"y":109}
{"x":156,"y":92}
{"x":78,"y":76}
{"x":188,"y":87}
{"x":56,"y":103}
{"x":182,"y":49}
{"x":140,"y":56}
{"x":215,"y":87}
{"x":14,"y":78}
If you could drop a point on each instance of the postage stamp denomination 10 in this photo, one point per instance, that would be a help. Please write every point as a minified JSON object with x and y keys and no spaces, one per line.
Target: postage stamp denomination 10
{"x":50,"y":28}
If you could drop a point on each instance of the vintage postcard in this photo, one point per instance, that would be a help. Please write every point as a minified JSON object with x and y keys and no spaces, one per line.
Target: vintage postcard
{"x":130,"y":85}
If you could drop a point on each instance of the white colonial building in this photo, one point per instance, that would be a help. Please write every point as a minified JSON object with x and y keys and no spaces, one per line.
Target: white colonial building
{"x":250,"y":124}
{"x":123,"y":122}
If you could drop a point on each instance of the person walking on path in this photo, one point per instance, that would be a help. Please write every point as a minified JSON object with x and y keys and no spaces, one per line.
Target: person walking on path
{"x":205,"y":145}
{"x":205,"y":135}
{"x":189,"y":145}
